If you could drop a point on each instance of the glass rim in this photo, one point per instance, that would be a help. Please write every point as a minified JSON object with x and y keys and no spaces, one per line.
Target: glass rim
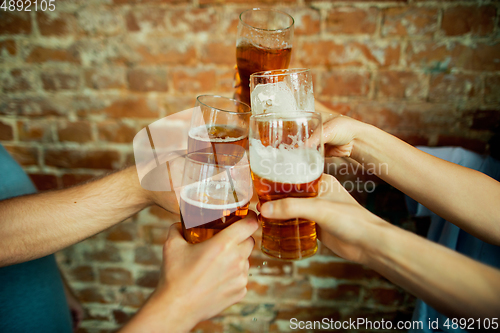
{"x":269,"y":10}
{"x":238,"y":158}
{"x":287,"y":71}
{"x":286,"y":116}
{"x":226,"y":98}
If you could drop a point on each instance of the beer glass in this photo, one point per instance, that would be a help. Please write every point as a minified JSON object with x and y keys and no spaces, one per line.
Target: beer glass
{"x":264,"y":42}
{"x":287,"y":160}
{"x":281,"y":90}
{"x":219,"y":126}
{"x":216,"y":191}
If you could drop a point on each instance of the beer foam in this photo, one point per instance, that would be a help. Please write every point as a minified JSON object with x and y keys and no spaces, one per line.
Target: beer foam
{"x":200,"y":133}
{"x":215,"y":191}
{"x":273,"y":97}
{"x":285,"y":164}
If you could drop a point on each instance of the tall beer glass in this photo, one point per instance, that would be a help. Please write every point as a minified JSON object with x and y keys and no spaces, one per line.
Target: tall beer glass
{"x":281,"y":90}
{"x":216,"y":192}
{"x":220,"y":126}
{"x":287,"y":160}
{"x":264,"y":42}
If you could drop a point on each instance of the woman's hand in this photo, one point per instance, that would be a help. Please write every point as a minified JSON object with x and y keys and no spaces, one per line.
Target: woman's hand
{"x":343,"y":225}
{"x":198,"y":281}
{"x":340,"y":135}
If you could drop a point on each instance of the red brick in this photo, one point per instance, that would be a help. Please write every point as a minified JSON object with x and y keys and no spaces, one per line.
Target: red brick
{"x":83,"y":274}
{"x":8,"y":47}
{"x":409,"y":21}
{"x":219,"y":53}
{"x":148,"y":279}
{"x":119,"y":2}
{"x":444,"y":87}
{"x":343,"y":292}
{"x":257,"y":289}
{"x":271,"y":266}
{"x":18,"y":80}
{"x":401,"y":85}
{"x":122,"y":317}
{"x":115,"y":276}
{"x":208,"y":326}
{"x":476,"y":20}
{"x":141,"y":79}
{"x":78,"y":131}
{"x":134,"y":299}
{"x":384,"y":296}
{"x":358,"y":54}
{"x":434,"y":56}
{"x":99,"y":21}
{"x":95,"y":295}
{"x":15,"y":23}
{"x":123,"y":232}
{"x":145,"y":255}
{"x":352,"y":20}
{"x":307,"y":21}
{"x":307,"y":313}
{"x":30,"y":106}
{"x":299,"y":289}
{"x":345,"y":84}
{"x":194,"y":81}
{"x":60,"y":81}
{"x":131,"y":108}
{"x":492,"y":89}
{"x":193,"y":21}
{"x":6,"y":132}
{"x":156,"y":235}
{"x":105,"y":78}
{"x":70,"y":179}
{"x":484,"y":119}
{"x":67,"y":158}
{"x":106,"y":253}
{"x":41,"y":54}
{"x":484,"y":57}
{"x":339,"y":270}
{"x":23,"y":155}
{"x":167,"y":51}
{"x":55,"y":23}
{"x":44,"y":182}
{"x":113,"y":131}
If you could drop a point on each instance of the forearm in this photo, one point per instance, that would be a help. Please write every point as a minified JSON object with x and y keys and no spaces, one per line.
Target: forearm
{"x":463,"y":196}
{"x":37,"y":225}
{"x":451,"y":283}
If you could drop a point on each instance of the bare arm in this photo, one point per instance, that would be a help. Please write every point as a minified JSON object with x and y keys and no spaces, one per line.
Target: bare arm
{"x":450,"y":282}
{"x":465,"y":197}
{"x":36,"y":225}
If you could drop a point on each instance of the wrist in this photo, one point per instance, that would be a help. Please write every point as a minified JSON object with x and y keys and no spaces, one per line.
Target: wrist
{"x":380,"y":243}
{"x":364,"y":134}
{"x":143,"y":197}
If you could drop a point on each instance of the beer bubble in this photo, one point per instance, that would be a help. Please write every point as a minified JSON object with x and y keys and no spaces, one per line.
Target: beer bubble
{"x":264,"y":263}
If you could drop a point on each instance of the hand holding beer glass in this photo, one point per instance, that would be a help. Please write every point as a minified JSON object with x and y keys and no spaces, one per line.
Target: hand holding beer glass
{"x":287,"y":160}
{"x":264,"y":42}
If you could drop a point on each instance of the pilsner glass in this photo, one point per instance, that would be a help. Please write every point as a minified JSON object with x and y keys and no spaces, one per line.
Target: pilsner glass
{"x":220,"y":126}
{"x":264,"y":42}
{"x":216,"y":193}
{"x":286,"y":159}
{"x":281,"y":90}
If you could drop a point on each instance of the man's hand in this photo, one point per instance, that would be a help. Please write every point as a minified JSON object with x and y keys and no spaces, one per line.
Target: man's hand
{"x":198,"y":281}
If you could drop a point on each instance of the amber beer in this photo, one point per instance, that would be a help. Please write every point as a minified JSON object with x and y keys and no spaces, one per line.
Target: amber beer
{"x":222,"y":139}
{"x":286,"y":160}
{"x":210,"y":206}
{"x":252,"y":58}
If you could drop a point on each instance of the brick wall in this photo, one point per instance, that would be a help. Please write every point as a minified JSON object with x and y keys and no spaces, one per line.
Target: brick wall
{"x":78,"y":83}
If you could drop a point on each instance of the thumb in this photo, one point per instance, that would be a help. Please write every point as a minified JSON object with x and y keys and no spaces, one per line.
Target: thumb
{"x":175,"y":233}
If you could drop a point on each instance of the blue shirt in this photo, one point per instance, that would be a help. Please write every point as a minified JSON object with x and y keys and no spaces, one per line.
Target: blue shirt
{"x":32,"y":297}
{"x":451,"y":236}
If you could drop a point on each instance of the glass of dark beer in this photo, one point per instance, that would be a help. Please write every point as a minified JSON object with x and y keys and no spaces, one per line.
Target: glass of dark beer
{"x":287,"y":160}
{"x":264,"y":42}
{"x":281,"y":90}
{"x":220,"y":125}
{"x":216,"y":191}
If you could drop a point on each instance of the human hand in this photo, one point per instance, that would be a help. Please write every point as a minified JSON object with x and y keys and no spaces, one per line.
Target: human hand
{"x":340,"y":135}
{"x":198,"y":281}
{"x":343,"y":225}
